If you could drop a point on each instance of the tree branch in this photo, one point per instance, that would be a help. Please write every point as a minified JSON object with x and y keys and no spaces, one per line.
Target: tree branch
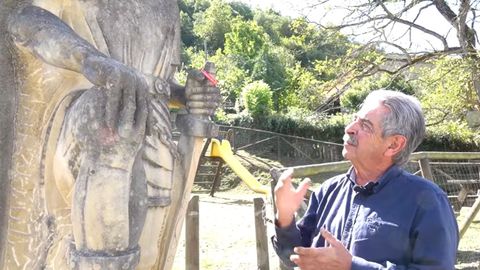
{"x":392,"y":17}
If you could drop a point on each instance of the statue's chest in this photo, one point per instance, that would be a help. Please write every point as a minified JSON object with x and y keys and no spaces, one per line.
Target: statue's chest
{"x":148,"y":22}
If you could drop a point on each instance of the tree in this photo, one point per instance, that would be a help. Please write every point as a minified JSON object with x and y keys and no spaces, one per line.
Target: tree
{"x":271,"y":67}
{"x":352,"y":99}
{"x":374,"y":21}
{"x":310,"y":43}
{"x":187,"y":10}
{"x":443,"y":94}
{"x":246,"y":40}
{"x":242,"y":10}
{"x":303,"y":89}
{"x":187,"y":35}
{"x":274,"y":24}
{"x":212,"y":24}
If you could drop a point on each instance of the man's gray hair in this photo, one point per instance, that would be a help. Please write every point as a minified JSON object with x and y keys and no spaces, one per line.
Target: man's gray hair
{"x":405,"y":118}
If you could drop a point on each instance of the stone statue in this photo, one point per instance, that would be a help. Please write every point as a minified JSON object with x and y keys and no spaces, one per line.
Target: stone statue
{"x":91,"y":177}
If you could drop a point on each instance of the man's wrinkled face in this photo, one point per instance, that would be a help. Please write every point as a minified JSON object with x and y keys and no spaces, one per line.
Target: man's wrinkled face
{"x":363,"y":142}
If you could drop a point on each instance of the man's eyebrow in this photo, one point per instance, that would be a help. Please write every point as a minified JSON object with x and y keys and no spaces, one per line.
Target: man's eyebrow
{"x":365,"y":121}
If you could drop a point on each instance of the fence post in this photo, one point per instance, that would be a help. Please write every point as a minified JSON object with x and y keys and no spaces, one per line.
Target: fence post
{"x":261,"y":234}
{"x":426,"y":169}
{"x":192,"y":246}
{"x":216,"y":179}
{"x":278,"y":148}
{"x":471,"y":216}
{"x":275,"y":173}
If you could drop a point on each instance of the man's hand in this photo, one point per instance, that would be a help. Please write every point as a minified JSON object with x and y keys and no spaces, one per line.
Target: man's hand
{"x":334,"y":257}
{"x":287,"y":198}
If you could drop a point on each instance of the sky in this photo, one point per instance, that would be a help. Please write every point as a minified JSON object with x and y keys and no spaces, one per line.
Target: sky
{"x":418,"y":41}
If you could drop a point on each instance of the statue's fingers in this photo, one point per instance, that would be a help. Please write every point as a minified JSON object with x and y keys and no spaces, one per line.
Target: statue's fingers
{"x":195,"y":75}
{"x":127,"y":110}
{"x":202,"y":91}
{"x":112,"y":87}
{"x":194,"y":80}
{"x":111,"y":107}
{"x":202,"y":104}
{"x":202,"y":111}
{"x":141,"y":113}
{"x":205,"y":97}
{"x":149,"y":126}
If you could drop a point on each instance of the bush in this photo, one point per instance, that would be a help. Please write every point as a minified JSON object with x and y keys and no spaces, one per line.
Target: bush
{"x":319,"y":127}
{"x":257,"y":99}
{"x":449,"y":137}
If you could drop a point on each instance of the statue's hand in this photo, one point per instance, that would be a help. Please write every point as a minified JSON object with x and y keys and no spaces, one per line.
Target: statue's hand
{"x":123,"y":85}
{"x":111,"y":118}
{"x":202,"y":97}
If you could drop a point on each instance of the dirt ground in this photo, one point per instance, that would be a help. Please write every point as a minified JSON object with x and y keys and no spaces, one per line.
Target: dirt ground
{"x":227,"y":235}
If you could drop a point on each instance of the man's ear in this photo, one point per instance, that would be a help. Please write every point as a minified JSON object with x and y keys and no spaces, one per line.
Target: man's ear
{"x":396,"y":144}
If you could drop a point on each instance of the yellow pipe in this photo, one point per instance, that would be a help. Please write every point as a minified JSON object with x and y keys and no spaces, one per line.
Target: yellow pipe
{"x":223,"y":150}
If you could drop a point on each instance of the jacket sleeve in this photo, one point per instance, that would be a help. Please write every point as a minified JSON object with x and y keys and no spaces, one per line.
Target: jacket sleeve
{"x":296,"y":234}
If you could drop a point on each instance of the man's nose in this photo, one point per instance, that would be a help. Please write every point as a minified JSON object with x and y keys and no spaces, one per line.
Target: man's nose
{"x":351,"y":128}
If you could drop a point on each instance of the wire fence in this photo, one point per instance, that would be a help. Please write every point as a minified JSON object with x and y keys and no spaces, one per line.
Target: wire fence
{"x":460,"y":179}
{"x":458,"y":174}
{"x":287,"y":150}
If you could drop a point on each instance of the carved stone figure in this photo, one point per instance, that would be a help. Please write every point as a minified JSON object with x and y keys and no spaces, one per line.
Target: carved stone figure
{"x":91,"y":177}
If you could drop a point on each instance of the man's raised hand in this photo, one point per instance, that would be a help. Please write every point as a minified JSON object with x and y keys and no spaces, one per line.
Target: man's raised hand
{"x":288,"y":198}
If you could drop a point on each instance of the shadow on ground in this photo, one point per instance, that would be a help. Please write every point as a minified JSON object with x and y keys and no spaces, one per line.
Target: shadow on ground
{"x":470,"y":259}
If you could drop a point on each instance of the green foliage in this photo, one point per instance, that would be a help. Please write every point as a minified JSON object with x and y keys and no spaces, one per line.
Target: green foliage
{"x":188,"y":9}
{"x":231,"y":77}
{"x":242,"y":10}
{"x":451,"y":136}
{"x":275,"y":25}
{"x":193,"y":59}
{"x":298,"y":122}
{"x":212,"y":24}
{"x":257,"y":98}
{"x":445,"y":90}
{"x":220,"y":116}
{"x":357,"y":62}
{"x":309,"y":44}
{"x":358,"y":91}
{"x":303,"y":90}
{"x":338,"y":75}
{"x":319,"y":127}
{"x":272,"y":68}
{"x":187,"y":35}
{"x":246,"y":40}
{"x":304,"y":66}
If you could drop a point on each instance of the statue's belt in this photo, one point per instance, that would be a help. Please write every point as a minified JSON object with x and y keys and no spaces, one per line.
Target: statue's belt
{"x":157,"y":86}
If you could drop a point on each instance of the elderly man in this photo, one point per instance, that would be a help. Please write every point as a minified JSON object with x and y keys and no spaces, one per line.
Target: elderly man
{"x":375,"y":216}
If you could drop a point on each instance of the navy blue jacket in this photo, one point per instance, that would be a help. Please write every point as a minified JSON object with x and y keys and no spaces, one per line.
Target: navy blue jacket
{"x":405,"y":222}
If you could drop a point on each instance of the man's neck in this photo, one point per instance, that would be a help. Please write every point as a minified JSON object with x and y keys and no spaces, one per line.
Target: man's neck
{"x":366,"y":174}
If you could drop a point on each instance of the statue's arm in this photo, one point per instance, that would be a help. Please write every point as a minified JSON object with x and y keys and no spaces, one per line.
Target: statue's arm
{"x":53,"y":41}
